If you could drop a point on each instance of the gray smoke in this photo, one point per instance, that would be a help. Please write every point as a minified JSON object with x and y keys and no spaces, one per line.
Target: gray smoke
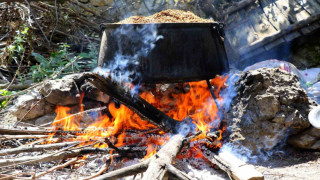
{"x":133,"y":43}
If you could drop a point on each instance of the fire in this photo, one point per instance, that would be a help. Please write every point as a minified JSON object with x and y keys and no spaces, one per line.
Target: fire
{"x":196,"y":103}
{"x":151,"y":150}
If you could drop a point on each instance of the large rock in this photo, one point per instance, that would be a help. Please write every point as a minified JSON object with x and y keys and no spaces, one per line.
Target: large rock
{"x":269,"y":106}
{"x":61,"y":92}
{"x":308,"y":139}
{"x":30,"y":106}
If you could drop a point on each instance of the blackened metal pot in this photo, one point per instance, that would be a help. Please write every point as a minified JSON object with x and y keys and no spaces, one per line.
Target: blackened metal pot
{"x":184,"y":52}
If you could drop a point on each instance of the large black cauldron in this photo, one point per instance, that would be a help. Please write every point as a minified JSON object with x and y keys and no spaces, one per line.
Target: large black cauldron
{"x":186,"y":51}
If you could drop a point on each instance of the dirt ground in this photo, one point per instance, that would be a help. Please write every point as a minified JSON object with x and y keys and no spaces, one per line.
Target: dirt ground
{"x":291,"y":164}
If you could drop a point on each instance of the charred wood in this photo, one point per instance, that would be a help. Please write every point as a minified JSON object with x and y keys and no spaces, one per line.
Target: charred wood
{"x":133,"y":101}
{"x":234,"y":167}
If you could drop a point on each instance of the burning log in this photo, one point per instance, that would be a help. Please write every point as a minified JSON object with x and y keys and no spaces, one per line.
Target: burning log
{"x":133,"y":101}
{"x":157,"y":166}
{"x":234,"y":167}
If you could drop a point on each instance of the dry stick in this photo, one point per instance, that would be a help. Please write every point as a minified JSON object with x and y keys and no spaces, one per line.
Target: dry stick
{"x":77,"y":114}
{"x":12,"y":176}
{"x":76,"y":2}
{"x":57,"y":19}
{"x":34,"y":132}
{"x":63,"y":153}
{"x":102,"y":170}
{"x":177,"y":173}
{"x":27,"y":148}
{"x":157,"y":166}
{"x":9,"y":137}
{"x":72,"y":161}
{"x":234,"y":167}
{"x":35,"y":20}
{"x":19,"y":86}
{"x":15,"y":75}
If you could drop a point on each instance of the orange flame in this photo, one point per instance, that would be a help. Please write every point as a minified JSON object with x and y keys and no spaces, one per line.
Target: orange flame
{"x":196,"y":102}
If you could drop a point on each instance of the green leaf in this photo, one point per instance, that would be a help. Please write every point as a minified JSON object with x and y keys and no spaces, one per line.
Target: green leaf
{"x":84,"y":55}
{"x":39,"y":58}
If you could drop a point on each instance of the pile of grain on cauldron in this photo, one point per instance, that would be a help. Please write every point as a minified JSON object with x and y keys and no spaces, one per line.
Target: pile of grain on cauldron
{"x":167,"y":16}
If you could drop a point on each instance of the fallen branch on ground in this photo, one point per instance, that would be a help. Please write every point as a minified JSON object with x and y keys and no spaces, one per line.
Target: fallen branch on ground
{"x":233,"y":166}
{"x":156,"y":166}
{"x":36,"y":148}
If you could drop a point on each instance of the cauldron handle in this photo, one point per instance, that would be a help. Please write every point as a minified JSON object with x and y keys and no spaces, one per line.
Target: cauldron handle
{"x":220,"y":29}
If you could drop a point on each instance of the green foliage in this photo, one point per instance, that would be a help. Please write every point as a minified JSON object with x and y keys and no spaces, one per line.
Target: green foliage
{"x":90,"y":57}
{"x":17,"y":48}
{"x":47,"y":67}
{"x":3,"y":92}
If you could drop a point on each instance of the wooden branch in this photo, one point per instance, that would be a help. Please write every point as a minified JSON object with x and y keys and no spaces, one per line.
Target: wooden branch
{"x":127,"y":171}
{"x":38,"y":131}
{"x":102,"y":170}
{"x":15,"y":87}
{"x":50,"y":157}
{"x":68,"y":163}
{"x":133,"y":101}
{"x":177,"y":173}
{"x":157,"y":166}
{"x":10,"y":137}
{"x":36,"y":148}
{"x":233,"y":166}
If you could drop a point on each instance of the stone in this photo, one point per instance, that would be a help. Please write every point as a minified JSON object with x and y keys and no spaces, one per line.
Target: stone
{"x":30,"y":106}
{"x":270,"y":106}
{"x":61,"y":92}
{"x":314,"y":132}
{"x":46,"y":119}
{"x":302,"y":140}
{"x":308,"y":139}
{"x":91,"y":92}
{"x":316,"y":145}
{"x":77,"y":77}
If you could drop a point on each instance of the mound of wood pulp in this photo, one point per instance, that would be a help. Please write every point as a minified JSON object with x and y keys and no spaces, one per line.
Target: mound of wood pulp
{"x":167,"y":16}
